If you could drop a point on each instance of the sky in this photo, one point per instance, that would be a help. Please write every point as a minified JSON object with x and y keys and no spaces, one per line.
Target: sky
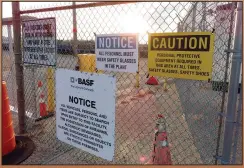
{"x":132,"y":18}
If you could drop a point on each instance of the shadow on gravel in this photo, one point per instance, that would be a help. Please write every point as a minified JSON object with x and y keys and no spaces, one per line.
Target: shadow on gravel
{"x":200,"y":106}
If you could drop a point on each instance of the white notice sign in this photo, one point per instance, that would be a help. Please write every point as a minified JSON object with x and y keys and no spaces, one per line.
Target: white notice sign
{"x":117,"y":52}
{"x":85,"y":111}
{"x":39,"y":41}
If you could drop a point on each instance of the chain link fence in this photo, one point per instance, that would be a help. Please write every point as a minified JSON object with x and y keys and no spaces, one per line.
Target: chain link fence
{"x":192,"y":108}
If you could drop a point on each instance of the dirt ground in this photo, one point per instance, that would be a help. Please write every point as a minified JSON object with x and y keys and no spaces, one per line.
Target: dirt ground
{"x":135,"y":123}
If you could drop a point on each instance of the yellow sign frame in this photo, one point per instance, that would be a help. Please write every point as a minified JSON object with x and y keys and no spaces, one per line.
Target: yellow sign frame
{"x":190,"y":55}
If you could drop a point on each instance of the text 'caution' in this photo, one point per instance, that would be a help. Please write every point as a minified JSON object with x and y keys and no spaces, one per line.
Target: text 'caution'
{"x":187,"y":55}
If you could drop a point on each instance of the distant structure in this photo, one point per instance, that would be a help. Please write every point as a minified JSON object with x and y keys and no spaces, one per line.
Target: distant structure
{"x":7,"y":22}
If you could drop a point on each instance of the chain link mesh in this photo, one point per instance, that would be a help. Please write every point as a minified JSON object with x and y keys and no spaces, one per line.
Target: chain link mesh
{"x":191,"y":107}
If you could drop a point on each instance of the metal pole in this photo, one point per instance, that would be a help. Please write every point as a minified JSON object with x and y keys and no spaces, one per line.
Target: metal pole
{"x":18,"y":66}
{"x":10,"y":40}
{"x":178,"y":27}
{"x":138,"y":71}
{"x":238,"y":125}
{"x":233,"y":88}
{"x":9,"y":64}
{"x":35,"y":110}
{"x":74,"y":31}
{"x":74,"y":44}
{"x":194,"y":17}
{"x":225,"y":80}
{"x":69,"y":7}
{"x":204,"y":6}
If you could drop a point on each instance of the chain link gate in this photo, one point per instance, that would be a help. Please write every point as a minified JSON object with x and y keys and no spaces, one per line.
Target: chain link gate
{"x":191,"y":108}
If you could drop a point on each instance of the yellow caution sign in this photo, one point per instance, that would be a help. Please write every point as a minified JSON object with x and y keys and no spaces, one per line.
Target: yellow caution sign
{"x":187,"y":55}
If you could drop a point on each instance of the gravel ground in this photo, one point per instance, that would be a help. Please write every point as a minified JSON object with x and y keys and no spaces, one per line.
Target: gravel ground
{"x":190,"y":108}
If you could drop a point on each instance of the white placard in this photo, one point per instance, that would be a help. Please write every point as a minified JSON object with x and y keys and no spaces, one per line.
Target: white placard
{"x":39,"y":41}
{"x":85,"y":111}
{"x":117,"y":52}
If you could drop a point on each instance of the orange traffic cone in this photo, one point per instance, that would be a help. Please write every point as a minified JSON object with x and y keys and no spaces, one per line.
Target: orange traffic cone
{"x":161,"y":153}
{"x":15,"y":148}
{"x":152,"y":81}
{"x":42,"y":105}
{"x":43,"y":108}
{"x":8,"y":141}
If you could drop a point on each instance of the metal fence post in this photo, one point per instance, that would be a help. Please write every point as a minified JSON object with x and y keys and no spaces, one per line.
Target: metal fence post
{"x":233,"y":88}
{"x":179,"y":27}
{"x":11,"y":56}
{"x":194,"y":10}
{"x":74,"y":44}
{"x":204,"y":7}
{"x":74,"y":31}
{"x":18,"y":66}
{"x":238,"y":125}
{"x":230,"y":37}
{"x":10,"y":38}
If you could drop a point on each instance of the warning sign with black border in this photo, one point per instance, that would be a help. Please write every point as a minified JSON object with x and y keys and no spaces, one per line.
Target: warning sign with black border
{"x":39,"y":41}
{"x":187,"y":55}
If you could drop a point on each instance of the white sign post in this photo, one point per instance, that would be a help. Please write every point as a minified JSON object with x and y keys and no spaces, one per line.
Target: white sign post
{"x":85,"y":111}
{"x":117,"y":52}
{"x":39,"y":41}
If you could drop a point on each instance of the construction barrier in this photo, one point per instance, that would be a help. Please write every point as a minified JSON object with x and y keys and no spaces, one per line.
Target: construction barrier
{"x":8,"y":136}
{"x":87,"y":63}
{"x":50,"y":90}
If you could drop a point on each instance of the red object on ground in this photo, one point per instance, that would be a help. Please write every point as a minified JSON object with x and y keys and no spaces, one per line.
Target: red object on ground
{"x":8,"y":135}
{"x":160,"y":116}
{"x":39,"y":83}
{"x":152,"y":81}
{"x":43,"y":109}
{"x":42,"y":105}
{"x":162,"y":153}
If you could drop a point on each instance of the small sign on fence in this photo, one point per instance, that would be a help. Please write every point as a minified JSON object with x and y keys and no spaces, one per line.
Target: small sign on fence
{"x":85,"y":111}
{"x":186,"y":55}
{"x":39,"y":41}
{"x":117,"y":52}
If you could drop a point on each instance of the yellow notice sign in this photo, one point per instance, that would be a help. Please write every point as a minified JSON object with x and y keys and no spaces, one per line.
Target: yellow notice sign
{"x":187,"y":55}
